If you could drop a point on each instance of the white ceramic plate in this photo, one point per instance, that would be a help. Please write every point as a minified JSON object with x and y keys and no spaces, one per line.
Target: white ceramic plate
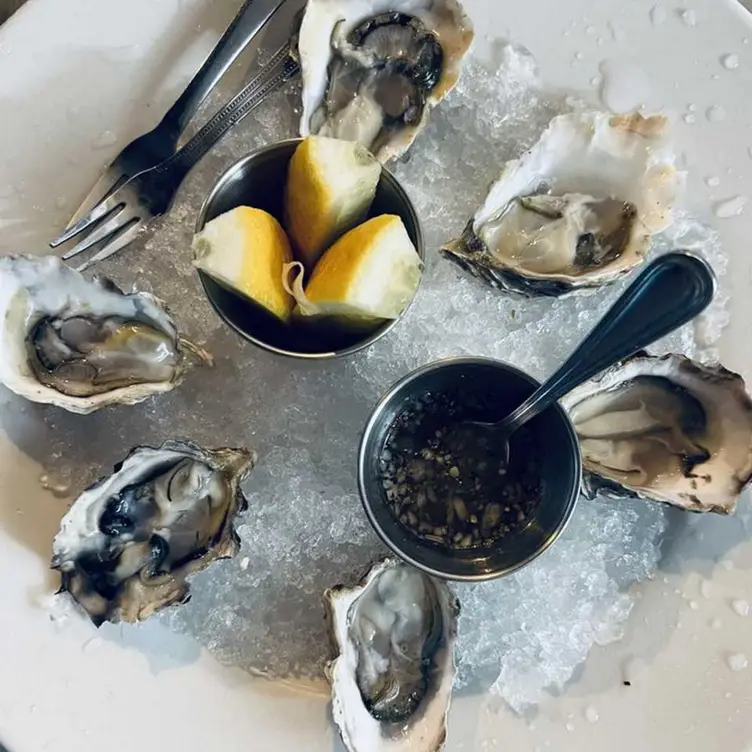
{"x":68,"y":102}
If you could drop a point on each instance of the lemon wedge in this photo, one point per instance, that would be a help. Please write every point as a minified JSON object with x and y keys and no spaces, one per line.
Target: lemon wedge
{"x":369,"y":275}
{"x":330,"y":188}
{"x":246,"y":249}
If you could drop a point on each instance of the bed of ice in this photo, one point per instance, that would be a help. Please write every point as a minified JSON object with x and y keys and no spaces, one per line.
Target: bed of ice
{"x":305,"y":530}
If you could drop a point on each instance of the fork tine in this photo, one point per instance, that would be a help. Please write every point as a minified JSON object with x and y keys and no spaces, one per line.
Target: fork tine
{"x":107,"y":184}
{"x":101,"y":233}
{"x":97,"y":213}
{"x":117,"y":222}
{"x":117,"y":241}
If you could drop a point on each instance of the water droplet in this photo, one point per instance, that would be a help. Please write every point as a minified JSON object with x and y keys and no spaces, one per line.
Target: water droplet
{"x":596,"y":81}
{"x":716,"y":624}
{"x":244,"y":563}
{"x":58,"y":487}
{"x":745,"y":40}
{"x":569,"y":727}
{"x":731,"y":207}
{"x":105,"y":139}
{"x":737,"y":662}
{"x":716,"y":113}
{"x":728,"y":695}
{"x":694,"y":605}
{"x":740,"y":607}
{"x":591,"y":714}
{"x":658,"y":15}
{"x":6,"y":191}
{"x":749,"y":151}
{"x":689,"y":119}
{"x":713,"y":181}
{"x":578,"y":56}
{"x":730,"y":62}
{"x":590,"y":30}
{"x":689,"y":17}
{"x":60,"y":202}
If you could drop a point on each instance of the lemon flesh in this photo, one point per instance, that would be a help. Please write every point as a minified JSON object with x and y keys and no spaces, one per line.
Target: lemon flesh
{"x":369,"y":275}
{"x":246,"y":249}
{"x":330,"y":188}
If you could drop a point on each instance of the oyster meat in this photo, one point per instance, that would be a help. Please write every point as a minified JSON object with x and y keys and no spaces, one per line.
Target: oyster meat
{"x":668,"y":429}
{"x":129,"y":542}
{"x":83,"y":345}
{"x":373,"y":69}
{"x":578,"y":210}
{"x":392,"y":676}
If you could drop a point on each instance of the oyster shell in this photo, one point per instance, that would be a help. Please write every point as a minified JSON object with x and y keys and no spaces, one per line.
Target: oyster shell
{"x":130,"y":541}
{"x":392,"y":678}
{"x":668,"y":429}
{"x":373,"y":69}
{"x":578,"y":210}
{"x":83,"y":345}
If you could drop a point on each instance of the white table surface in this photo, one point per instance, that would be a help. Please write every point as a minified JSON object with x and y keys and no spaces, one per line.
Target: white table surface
{"x":63,"y":687}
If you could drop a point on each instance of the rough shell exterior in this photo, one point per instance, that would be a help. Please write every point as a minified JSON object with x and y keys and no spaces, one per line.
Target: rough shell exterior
{"x":80,"y":532}
{"x":628,"y":157}
{"x":444,"y":17}
{"x":359,"y":731}
{"x":713,"y":486}
{"x":34,"y":287}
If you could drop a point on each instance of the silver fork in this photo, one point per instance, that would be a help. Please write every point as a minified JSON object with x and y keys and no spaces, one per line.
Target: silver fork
{"x":150,"y":193}
{"x":159,"y":144}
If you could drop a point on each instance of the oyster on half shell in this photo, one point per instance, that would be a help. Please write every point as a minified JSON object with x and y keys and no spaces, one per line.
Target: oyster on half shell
{"x":130,"y":541}
{"x":83,"y":345}
{"x":668,"y":429}
{"x":392,"y":676}
{"x":578,"y":210}
{"x":373,"y":69}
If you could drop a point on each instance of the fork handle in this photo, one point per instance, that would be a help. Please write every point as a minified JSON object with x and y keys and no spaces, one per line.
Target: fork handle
{"x":278,"y":71}
{"x":250,"y":19}
{"x":671,"y":291}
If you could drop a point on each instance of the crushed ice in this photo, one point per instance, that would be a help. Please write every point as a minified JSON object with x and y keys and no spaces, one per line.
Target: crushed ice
{"x":305,"y":530}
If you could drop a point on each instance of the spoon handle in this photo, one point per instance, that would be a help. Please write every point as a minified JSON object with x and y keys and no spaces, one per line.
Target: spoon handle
{"x":671,"y":291}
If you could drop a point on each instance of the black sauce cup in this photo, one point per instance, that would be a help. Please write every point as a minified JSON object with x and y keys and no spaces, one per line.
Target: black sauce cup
{"x":559,"y":462}
{"x":259,"y":180}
